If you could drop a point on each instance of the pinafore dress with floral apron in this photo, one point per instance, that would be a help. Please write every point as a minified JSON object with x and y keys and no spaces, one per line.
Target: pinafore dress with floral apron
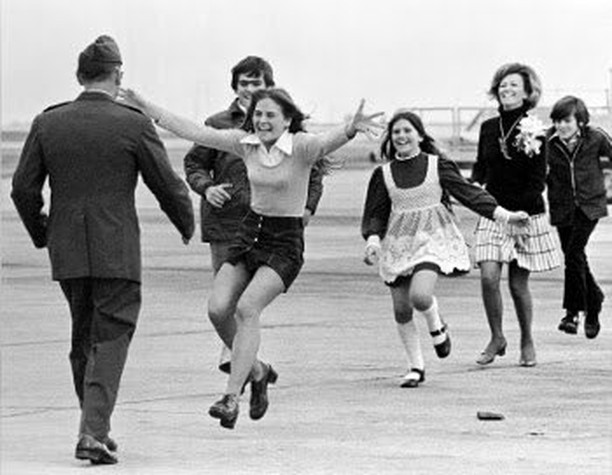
{"x":420,"y":229}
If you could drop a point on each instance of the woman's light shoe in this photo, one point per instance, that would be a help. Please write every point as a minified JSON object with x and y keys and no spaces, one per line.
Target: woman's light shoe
{"x":528,"y":357}
{"x":488,"y":355}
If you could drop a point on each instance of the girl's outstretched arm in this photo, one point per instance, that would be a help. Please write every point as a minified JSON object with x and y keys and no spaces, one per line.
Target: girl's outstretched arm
{"x":227,"y":140}
{"x":322,"y":144}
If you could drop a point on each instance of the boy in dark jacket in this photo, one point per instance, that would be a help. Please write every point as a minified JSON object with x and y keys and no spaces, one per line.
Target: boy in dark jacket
{"x":577,"y":200}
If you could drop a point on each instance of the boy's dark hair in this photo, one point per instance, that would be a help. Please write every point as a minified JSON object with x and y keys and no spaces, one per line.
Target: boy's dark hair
{"x":568,"y":106}
{"x":253,"y":66}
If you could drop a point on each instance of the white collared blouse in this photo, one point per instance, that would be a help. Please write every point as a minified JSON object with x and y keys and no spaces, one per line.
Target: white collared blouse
{"x":279,"y":176}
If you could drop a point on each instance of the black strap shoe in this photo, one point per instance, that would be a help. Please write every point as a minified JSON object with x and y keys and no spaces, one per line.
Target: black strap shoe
{"x":442,"y":349}
{"x":413,"y":378}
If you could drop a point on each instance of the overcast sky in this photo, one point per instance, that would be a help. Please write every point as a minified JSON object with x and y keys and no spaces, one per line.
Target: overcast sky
{"x":327,"y":53}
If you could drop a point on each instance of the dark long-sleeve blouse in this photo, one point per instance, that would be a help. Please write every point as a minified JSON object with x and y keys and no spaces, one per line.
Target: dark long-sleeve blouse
{"x":516,"y":183}
{"x":411,"y":173}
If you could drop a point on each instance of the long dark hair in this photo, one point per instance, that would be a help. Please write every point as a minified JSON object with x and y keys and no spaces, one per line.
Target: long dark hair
{"x":428,"y":145}
{"x":281,"y":97}
{"x":290,"y":111}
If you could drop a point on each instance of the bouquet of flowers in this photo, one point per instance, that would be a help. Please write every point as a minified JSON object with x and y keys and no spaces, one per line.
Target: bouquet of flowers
{"x":531,"y":129}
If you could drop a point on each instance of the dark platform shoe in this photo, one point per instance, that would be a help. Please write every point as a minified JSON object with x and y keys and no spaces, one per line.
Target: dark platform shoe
{"x":226,"y":410}
{"x":259,"y":394}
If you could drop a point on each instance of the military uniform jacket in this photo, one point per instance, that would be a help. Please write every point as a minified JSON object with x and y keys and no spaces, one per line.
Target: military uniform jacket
{"x":92,"y":151}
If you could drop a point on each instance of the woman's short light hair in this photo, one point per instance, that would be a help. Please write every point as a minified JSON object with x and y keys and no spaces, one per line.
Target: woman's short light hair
{"x":533,"y":85}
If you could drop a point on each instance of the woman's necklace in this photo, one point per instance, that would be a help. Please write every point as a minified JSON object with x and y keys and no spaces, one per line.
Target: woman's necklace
{"x":503,"y":145}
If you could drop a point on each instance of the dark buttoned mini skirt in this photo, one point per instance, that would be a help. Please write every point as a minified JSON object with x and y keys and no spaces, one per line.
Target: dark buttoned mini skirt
{"x":276,"y":242}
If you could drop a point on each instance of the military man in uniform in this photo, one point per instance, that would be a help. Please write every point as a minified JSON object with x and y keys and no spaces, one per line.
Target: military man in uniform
{"x":92,"y":151}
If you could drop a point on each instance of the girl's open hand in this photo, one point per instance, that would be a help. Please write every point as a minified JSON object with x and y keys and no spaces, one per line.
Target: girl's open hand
{"x":372,"y":251}
{"x":364,"y":123}
{"x":131,"y":97}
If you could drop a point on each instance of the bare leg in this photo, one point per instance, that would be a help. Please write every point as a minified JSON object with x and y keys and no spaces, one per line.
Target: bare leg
{"x":263,"y":288}
{"x":422,"y":289}
{"x":219,"y":252}
{"x":490,"y":276}
{"x":521,"y":295}
{"x":228,"y":286}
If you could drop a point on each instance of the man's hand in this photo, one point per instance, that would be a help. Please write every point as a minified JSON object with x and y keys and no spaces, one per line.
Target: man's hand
{"x":217,"y":195}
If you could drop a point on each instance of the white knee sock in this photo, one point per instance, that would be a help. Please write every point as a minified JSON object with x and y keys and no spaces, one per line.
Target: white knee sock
{"x":434,"y":323}
{"x":409,"y":334}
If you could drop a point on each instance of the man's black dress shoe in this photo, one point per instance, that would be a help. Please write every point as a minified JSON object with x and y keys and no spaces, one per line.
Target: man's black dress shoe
{"x":259,"y":394}
{"x":98,"y":453}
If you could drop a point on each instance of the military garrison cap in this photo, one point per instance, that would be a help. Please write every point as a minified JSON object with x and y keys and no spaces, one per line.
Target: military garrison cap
{"x":103,"y":51}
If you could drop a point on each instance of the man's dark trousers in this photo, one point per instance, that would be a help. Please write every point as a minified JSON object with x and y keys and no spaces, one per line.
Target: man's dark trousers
{"x":104,"y":315}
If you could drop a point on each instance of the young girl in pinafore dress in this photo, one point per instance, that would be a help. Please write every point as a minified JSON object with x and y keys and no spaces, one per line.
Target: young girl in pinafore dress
{"x":410,"y":229}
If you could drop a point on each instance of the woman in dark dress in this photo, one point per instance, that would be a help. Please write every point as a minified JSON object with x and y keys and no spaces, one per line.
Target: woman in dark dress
{"x":511,"y":165}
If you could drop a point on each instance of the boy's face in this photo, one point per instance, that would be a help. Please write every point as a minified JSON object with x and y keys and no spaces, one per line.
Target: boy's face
{"x":245,"y":87}
{"x":566,"y":127}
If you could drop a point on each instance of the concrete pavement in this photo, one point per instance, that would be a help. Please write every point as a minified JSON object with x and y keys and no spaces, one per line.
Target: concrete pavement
{"x":337,"y":407}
